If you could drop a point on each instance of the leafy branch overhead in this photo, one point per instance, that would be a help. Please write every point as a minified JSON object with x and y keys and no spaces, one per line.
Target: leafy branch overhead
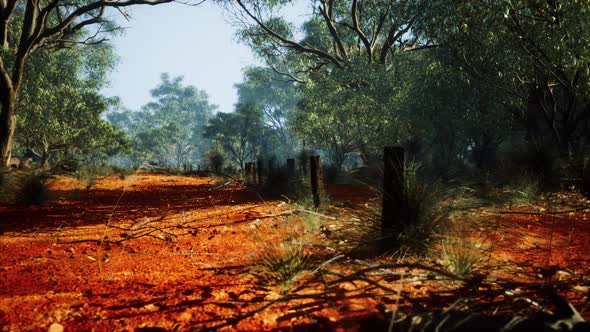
{"x":337,"y":33}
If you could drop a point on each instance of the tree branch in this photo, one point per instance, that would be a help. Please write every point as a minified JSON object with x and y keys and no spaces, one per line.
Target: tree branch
{"x":289,"y":43}
{"x":328,"y":14}
{"x":356,"y":27}
{"x":6,"y":10}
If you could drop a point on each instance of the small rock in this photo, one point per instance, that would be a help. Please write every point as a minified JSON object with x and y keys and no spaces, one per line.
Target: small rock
{"x":151,"y":307}
{"x":185,"y":316}
{"x":55,"y":327}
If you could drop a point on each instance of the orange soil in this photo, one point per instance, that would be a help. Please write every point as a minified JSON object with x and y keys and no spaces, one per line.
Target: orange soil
{"x":177,"y":253}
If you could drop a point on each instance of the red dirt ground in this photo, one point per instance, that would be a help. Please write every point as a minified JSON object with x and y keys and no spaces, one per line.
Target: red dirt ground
{"x":171,"y":253}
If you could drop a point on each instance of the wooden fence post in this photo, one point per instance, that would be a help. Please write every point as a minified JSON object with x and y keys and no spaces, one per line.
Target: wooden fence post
{"x":291,"y":167}
{"x":393,"y":188}
{"x":303,"y":164}
{"x":270,"y":167}
{"x":259,"y":170}
{"x":315,"y":172}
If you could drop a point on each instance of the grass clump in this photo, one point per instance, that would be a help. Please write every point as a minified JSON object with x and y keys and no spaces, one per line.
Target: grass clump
{"x":461,"y":255}
{"x":122,"y":172}
{"x":282,"y":265}
{"x":33,"y":189}
{"x":424,"y":206}
{"x":525,"y":189}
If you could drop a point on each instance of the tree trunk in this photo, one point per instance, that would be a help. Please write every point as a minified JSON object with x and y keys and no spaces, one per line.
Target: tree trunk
{"x":7,"y":126}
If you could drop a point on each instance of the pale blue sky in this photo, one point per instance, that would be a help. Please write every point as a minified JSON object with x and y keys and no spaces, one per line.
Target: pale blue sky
{"x":195,"y":42}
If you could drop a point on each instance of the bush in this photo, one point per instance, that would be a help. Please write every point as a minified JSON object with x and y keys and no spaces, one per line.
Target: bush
{"x":280,"y":183}
{"x":33,"y":190}
{"x":122,"y":172}
{"x":89,"y":173}
{"x":216,"y":160}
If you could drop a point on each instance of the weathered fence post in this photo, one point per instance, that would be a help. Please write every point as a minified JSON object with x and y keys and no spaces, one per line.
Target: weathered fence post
{"x":248,"y":171}
{"x":303,"y":164}
{"x":270,"y":167}
{"x":259,"y":171}
{"x":393,"y":180}
{"x":291,"y":167}
{"x":315,"y":172}
{"x":247,"y":167}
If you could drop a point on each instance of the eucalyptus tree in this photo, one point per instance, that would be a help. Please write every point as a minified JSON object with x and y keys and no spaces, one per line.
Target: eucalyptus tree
{"x":169,"y":128}
{"x":27,"y":27}
{"x":182,"y":112}
{"x":453,"y":118}
{"x":240,"y":133}
{"x":61,"y":106}
{"x":344,"y":59}
{"x":536,"y":52}
{"x":336,"y":33}
{"x":347,"y":111}
{"x":277,"y":98}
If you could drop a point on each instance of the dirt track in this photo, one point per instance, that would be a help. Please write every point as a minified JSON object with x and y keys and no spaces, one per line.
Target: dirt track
{"x":177,"y":253}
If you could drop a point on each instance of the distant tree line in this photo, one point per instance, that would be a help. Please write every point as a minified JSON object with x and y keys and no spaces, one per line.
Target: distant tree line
{"x":475,"y":83}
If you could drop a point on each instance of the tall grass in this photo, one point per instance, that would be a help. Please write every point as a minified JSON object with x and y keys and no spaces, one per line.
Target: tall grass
{"x":525,"y":189}
{"x":461,"y":255}
{"x":425,"y":206}
{"x":283,"y":264}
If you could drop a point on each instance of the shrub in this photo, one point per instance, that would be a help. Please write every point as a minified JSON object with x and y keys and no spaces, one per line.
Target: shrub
{"x":280,"y":183}
{"x":122,"y":172}
{"x":331,"y":174}
{"x":216,"y":160}
{"x":33,"y":189}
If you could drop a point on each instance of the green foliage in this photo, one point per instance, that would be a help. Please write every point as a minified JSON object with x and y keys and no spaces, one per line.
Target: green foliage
{"x":171,"y":127}
{"x":531,"y":50}
{"x":216,"y":160}
{"x":277,"y":99}
{"x":239,"y":134}
{"x":279,"y":182}
{"x":342,"y":112}
{"x":60,"y":106}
